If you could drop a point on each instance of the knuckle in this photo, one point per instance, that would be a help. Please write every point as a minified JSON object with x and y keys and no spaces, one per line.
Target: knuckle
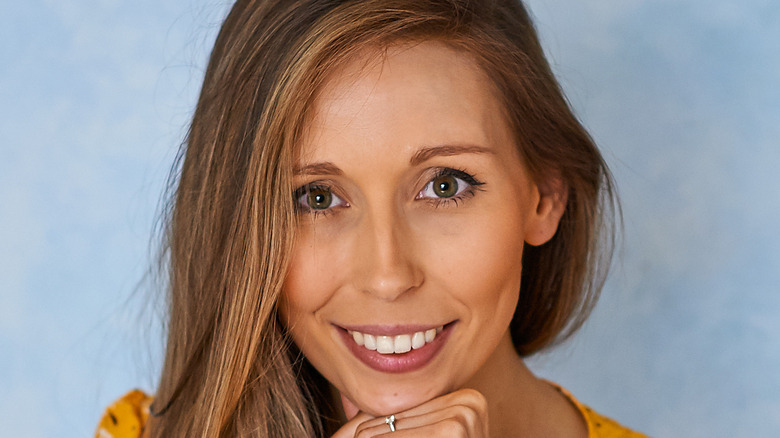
{"x":476,"y":396}
{"x":473,"y":400}
{"x":451,"y":427}
{"x":469,"y":417}
{"x":476,"y":400}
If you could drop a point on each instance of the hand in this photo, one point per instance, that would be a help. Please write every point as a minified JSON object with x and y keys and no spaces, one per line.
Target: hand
{"x":462,"y":413}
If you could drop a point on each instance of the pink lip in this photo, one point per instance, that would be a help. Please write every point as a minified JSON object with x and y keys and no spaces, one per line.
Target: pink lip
{"x":395,"y":363}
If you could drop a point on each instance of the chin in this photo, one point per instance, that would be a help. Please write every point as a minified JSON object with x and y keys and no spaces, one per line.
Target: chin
{"x":390,"y":405}
{"x":387,"y":401}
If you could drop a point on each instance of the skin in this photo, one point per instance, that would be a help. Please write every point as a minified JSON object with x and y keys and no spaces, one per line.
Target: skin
{"x":389,"y":250}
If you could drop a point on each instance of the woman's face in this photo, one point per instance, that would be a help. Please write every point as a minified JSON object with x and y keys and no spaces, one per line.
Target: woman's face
{"x":414,"y":207}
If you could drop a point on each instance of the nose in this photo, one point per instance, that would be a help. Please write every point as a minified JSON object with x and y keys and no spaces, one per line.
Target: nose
{"x":385,"y":256}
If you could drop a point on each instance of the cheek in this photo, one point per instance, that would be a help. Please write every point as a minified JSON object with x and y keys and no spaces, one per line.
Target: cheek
{"x":478,"y":260}
{"x":491,"y":274}
{"x":312,"y":278}
{"x":478,"y":250}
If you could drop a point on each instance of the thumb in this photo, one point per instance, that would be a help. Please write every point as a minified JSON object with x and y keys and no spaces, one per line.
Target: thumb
{"x":348,"y":430}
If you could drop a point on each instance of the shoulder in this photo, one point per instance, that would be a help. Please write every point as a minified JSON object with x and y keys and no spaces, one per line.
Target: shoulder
{"x":126,"y":417}
{"x":599,"y":426}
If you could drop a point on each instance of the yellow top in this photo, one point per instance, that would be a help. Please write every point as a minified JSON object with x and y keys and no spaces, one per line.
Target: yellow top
{"x":599,"y":426}
{"x":126,"y":418}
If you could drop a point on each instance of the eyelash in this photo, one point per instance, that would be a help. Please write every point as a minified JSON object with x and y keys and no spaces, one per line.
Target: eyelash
{"x":308,"y":188}
{"x":473,"y":185}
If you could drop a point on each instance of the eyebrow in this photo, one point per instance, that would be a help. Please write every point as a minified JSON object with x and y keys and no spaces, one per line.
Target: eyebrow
{"x":421,"y":156}
{"x":426,"y":154}
{"x":321,"y":168}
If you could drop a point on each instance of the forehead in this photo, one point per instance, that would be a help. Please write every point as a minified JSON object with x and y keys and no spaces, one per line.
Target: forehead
{"x":406,"y":97}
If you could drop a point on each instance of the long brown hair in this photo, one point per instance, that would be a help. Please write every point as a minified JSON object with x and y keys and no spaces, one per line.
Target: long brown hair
{"x":230,"y":369}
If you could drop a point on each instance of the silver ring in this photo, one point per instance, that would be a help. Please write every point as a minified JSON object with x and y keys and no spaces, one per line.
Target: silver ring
{"x":391,"y":422}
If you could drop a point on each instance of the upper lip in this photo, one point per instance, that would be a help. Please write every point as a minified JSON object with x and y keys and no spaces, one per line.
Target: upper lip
{"x":389,"y":329}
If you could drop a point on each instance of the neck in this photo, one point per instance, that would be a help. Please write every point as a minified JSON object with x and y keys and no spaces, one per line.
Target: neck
{"x":520,"y":404}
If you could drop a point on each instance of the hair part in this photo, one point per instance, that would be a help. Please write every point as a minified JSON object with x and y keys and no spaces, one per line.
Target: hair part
{"x":230,"y":368}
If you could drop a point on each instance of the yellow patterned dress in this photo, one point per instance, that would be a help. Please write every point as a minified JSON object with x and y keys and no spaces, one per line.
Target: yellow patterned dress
{"x":126,"y":418}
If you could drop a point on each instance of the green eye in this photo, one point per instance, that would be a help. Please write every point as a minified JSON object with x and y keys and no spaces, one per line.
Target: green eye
{"x":319,"y":199}
{"x":445,"y":186}
{"x":449,"y":185}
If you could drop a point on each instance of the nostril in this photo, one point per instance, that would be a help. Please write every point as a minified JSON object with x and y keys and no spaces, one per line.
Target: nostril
{"x":391,"y":286}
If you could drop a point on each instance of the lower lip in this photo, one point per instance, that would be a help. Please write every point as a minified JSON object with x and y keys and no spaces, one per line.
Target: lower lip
{"x":398,"y":363}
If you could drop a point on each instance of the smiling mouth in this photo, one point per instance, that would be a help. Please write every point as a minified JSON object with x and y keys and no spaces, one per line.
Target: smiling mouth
{"x":395,"y":348}
{"x":397,"y":344}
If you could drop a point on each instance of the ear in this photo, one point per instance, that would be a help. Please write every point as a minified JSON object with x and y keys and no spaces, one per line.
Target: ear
{"x":552,"y":195}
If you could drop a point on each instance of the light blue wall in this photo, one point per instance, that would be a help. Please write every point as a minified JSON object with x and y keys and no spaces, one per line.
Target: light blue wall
{"x":682,"y":96}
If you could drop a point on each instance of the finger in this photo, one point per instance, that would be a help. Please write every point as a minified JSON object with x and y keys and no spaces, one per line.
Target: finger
{"x":457,"y":420}
{"x":376,"y":427}
{"x":348,"y":430}
{"x":466,"y":407}
{"x":447,"y":428}
{"x":466,"y":397}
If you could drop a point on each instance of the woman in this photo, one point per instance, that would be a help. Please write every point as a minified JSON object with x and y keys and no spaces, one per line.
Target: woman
{"x":383,"y":206}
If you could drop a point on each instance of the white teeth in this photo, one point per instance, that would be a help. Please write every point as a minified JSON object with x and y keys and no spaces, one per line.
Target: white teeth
{"x":395,"y":344}
{"x":418,"y":340}
{"x":402,"y":344}
{"x":384,"y":344}
{"x":369,"y":341}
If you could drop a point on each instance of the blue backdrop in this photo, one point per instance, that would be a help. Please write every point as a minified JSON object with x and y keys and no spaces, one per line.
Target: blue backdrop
{"x":682,"y":96}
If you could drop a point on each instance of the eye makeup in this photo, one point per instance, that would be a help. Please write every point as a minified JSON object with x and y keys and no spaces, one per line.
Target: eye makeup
{"x":445,"y":187}
{"x":448,"y":186}
{"x":317,"y":198}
